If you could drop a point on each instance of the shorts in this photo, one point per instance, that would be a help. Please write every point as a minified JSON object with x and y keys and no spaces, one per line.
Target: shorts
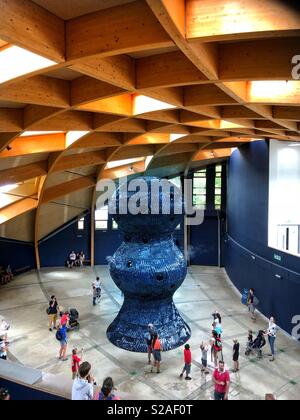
{"x":157,"y":355}
{"x":204,"y":362}
{"x":236,"y":357}
{"x":63,"y":343}
{"x":187,"y":368}
{"x":251,"y":308}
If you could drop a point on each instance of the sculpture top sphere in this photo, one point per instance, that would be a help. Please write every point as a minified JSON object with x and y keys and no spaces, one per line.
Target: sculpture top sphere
{"x":147,"y":205}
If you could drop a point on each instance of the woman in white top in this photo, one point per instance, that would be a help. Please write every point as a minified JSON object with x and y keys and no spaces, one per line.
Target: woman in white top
{"x":272,"y":333}
{"x":3,"y":348}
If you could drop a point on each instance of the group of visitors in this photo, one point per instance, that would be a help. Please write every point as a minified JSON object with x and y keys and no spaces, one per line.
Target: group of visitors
{"x":84,"y":386}
{"x":75,"y":259}
{"x":6,"y":275}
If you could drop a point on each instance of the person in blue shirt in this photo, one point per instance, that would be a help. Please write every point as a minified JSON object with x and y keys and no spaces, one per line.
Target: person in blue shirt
{"x":217,"y":328}
{"x":63,"y":342}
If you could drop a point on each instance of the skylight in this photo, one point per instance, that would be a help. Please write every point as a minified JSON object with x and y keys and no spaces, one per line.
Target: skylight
{"x":143,"y":104}
{"x":15,"y":62}
{"x":39,"y":133}
{"x":117,"y":163}
{"x":73,"y":136}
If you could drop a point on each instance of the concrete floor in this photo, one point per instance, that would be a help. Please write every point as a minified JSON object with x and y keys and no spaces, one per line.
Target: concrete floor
{"x":23,"y":304}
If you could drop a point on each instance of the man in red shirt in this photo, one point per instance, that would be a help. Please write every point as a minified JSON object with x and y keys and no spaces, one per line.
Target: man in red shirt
{"x":187,"y":362}
{"x":75,"y":362}
{"x":221,"y":379}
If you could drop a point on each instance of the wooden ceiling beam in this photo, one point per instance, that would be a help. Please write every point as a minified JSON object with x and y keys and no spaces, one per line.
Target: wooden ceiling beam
{"x":99,"y":140}
{"x":291,"y":113}
{"x":29,"y":26}
{"x":11,"y":120}
{"x":167,"y":70}
{"x":205,"y":95}
{"x":258,"y":60}
{"x":125,"y":125}
{"x":17,"y":208}
{"x":87,"y":89}
{"x":79,"y":160}
{"x":214,"y":20}
{"x":37,"y":113}
{"x":66,"y":121}
{"x":22,"y":173}
{"x":66,"y":188}
{"x":118,"y":70}
{"x":35,"y":144}
{"x":38,"y":90}
{"x":118,"y":30}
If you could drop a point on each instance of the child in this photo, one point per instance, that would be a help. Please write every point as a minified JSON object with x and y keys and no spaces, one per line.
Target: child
{"x":94,"y":295}
{"x":187,"y":362}
{"x":204,"y":350}
{"x":75,"y":363}
{"x":217,"y":317}
{"x":236,"y":354}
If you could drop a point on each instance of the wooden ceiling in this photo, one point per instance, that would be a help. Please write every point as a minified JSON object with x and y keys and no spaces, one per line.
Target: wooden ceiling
{"x":179,"y":81}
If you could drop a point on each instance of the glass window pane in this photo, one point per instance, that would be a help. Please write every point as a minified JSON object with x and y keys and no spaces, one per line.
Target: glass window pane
{"x":217,"y":199}
{"x":101,"y":224}
{"x":176,"y":181}
{"x":80,"y":225}
{"x":115,"y":225}
{"x":218,"y":182}
{"x":219,"y":168}
{"x":218,"y":191}
{"x":200,"y":182}
{"x":201,"y":191}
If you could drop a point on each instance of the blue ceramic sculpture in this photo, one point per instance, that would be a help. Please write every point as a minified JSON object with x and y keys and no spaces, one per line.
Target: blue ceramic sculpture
{"x":148,"y":268}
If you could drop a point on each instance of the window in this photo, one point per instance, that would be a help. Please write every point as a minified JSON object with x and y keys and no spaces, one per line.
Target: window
{"x":101,"y":218}
{"x":115,"y":225}
{"x":176,"y":181}
{"x":80,"y":224}
{"x":199,"y":189}
{"x":218,"y":188}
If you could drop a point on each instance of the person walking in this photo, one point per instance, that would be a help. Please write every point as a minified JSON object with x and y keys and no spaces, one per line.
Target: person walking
{"x":156,"y":345}
{"x":216,"y":348}
{"x":83,"y":387}
{"x":187,"y":362}
{"x":96,"y":291}
{"x":272,"y":334}
{"x":107,"y":389}
{"x":52,"y":312}
{"x":236,"y":355}
{"x":221,"y":380}
{"x":204,"y":352}
{"x":149,"y":336}
{"x":61,"y":336}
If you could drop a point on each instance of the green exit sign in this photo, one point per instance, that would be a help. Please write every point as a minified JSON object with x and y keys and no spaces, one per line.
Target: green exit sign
{"x":277,"y":257}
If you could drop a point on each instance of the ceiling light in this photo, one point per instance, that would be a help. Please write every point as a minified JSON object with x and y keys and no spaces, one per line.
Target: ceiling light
{"x":15,"y":62}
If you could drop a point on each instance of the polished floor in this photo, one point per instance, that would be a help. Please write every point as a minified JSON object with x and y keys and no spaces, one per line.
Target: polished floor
{"x":23,"y":303}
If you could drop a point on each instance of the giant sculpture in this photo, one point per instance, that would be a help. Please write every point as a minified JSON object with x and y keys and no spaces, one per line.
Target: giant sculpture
{"x":148,"y":268}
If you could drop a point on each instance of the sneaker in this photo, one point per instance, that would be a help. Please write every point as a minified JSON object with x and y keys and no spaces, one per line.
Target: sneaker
{"x":181,"y":375}
{"x":188,"y":378}
{"x":272,"y":359}
{"x":65,"y":359}
{"x":50,"y":329}
{"x":206,"y":372}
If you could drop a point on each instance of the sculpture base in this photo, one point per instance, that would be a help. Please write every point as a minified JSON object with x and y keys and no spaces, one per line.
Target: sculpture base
{"x":128,"y":330}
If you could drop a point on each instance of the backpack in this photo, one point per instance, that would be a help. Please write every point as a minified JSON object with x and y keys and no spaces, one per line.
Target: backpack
{"x":58,"y":335}
{"x":245,"y":296}
{"x":255,"y":301}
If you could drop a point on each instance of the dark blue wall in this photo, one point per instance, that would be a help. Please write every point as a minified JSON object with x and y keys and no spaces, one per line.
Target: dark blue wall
{"x":20,"y":392}
{"x":55,"y":248}
{"x":19,"y":255}
{"x":203,"y":247}
{"x":249,"y":261}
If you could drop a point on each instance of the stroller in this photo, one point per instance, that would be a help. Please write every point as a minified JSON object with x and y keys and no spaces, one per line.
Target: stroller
{"x":257,"y":345}
{"x":73,"y":320}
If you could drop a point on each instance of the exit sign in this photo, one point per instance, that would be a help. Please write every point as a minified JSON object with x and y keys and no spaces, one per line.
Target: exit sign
{"x":277,"y":257}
